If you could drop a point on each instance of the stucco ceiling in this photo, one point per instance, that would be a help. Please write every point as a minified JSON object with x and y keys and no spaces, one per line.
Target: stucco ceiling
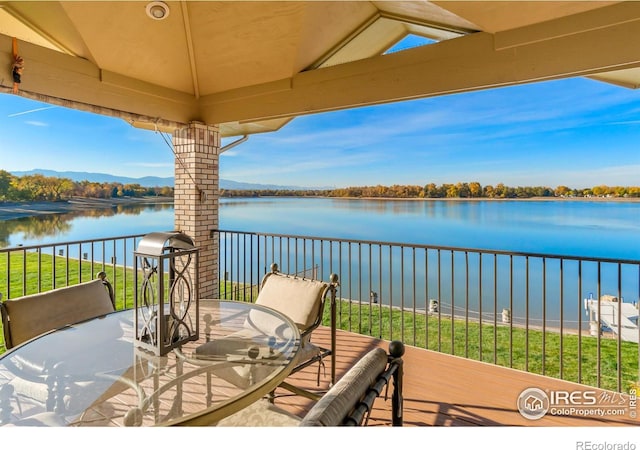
{"x":253,"y":66}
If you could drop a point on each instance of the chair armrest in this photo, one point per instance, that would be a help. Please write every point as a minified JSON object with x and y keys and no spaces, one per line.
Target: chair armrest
{"x":394,"y":371}
{"x":350,"y":400}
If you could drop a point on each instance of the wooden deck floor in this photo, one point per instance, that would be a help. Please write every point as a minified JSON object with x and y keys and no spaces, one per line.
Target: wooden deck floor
{"x":444,"y":390}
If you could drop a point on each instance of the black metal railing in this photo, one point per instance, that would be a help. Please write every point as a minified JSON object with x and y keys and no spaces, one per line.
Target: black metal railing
{"x":535,"y":312}
{"x":38,"y":268}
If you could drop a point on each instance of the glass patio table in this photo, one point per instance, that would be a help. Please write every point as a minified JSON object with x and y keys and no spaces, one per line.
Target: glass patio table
{"x":93,"y":374}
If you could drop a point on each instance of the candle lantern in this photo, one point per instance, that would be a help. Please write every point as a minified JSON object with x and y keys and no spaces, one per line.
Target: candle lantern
{"x":166,"y":296}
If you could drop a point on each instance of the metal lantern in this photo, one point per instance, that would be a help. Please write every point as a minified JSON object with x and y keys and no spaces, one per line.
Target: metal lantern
{"x":166,"y":295}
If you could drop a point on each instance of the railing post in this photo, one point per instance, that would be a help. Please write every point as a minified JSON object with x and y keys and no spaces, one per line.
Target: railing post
{"x":396,"y":351}
{"x":334,"y":287}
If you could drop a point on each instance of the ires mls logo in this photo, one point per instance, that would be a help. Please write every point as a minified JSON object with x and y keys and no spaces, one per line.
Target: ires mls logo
{"x":565,"y":398}
{"x":533,"y":403}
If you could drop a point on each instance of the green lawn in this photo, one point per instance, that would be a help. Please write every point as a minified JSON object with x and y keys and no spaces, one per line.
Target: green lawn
{"x":42,"y":272}
{"x":530,"y":350}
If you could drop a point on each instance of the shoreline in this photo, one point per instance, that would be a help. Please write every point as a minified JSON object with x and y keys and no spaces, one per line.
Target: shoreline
{"x":18,"y":210}
{"x":488,"y":199}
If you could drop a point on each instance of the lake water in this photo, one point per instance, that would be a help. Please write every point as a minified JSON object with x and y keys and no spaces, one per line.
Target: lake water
{"x":596,"y":229}
{"x":575,"y":228}
{"x":578,"y":228}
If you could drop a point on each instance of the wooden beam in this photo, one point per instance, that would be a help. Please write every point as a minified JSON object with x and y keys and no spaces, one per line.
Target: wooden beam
{"x":586,"y":44}
{"x":63,"y":77}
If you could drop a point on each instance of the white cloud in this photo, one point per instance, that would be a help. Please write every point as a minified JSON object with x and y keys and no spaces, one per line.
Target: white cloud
{"x":36,"y":123}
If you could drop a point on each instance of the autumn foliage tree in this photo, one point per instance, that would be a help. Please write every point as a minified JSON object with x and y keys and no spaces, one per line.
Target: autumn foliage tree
{"x":41,"y":188}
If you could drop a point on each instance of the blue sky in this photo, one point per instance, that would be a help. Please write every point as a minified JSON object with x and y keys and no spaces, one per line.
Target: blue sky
{"x":574,"y":132}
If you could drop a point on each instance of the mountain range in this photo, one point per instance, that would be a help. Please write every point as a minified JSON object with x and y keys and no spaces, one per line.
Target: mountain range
{"x":148,"y":181}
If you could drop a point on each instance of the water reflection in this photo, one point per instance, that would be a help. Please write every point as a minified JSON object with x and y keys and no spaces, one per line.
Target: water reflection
{"x":37,"y":228}
{"x":596,"y":229}
{"x":33,"y":227}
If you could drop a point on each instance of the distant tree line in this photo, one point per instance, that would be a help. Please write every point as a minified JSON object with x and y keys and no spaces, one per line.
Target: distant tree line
{"x":41,"y":188}
{"x":458,"y":190}
{"x":272,"y":193}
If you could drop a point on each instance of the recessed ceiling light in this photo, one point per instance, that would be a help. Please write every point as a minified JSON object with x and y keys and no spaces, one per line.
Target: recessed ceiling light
{"x":157,"y":10}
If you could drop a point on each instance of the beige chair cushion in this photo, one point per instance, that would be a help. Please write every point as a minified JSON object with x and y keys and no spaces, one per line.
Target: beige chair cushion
{"x":260,"y":414}
{"x":340,"y":400}
{"x":35,"y":314}
{"x":298,"y":299}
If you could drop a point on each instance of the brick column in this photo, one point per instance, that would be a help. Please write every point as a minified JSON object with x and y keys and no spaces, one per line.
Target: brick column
{"x":196,"y":196}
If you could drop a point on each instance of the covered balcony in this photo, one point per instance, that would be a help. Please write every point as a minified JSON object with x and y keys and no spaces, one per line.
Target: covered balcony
{"x":206,"y":71}
{"x":501,"y":322}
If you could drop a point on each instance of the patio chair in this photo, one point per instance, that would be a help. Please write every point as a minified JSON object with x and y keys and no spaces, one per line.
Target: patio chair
{"x":26,"y":317}
{"x":302,"y":300}
{"x":348,"y":403}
